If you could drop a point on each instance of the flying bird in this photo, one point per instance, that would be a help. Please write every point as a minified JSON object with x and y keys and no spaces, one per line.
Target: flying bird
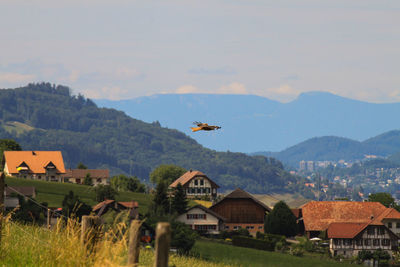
{"x":204,"y":127}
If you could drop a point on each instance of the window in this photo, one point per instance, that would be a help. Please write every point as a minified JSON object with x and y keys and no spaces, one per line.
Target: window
{"x":337,"y":242}
{"x":201,"y":182}
{"x":260,"y":227}
{"x":385,"y":242}
{"x":367,"y":242}
{"x":347,"y":242}
{"x":249,"y":227}
{"x":371,"y":231}
{"x":194,"y":216}
{"x":390,"y":225}
{"x":39,"y":177}
{"x":98,"y":180}
{"x":359,"y":242}
{"x":376,"y":242}
{"x":344,"y":252}
{"x":226,"y":227}
{"x":208,"y":190}
{"x":397,"y":225}
{"x":381,"y":231}
{"x":235,"y":227}
{"x":196,"y":182}
{"x":193,"y":190}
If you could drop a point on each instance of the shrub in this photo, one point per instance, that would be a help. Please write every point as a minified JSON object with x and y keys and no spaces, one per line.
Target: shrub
{"x":248,"y":242}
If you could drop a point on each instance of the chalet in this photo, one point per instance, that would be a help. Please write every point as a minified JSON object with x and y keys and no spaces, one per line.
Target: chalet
{"x":353,"y":226}
{"x":196,"y":185}
{"x":38,"y":165}
{"x":201,"y":219}
{"x":109,"y":204}
{"x":348,"y":239}
{"x":77,"y":176}
{"x":318,"y":215}
{"x":242,"y":210}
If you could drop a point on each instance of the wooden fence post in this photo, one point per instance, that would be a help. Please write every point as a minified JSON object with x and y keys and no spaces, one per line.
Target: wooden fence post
{"x":90,"y":231}
{"x":2,"y":185}
{"x":48,"y":218}
{"x":134,"y":243}
{"x":163,"y":240}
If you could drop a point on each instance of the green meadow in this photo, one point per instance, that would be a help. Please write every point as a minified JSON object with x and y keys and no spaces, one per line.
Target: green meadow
{"x":53,"y":193}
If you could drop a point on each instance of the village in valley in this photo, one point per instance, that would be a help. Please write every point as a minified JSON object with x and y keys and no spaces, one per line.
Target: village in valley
{"x":366,"y":231}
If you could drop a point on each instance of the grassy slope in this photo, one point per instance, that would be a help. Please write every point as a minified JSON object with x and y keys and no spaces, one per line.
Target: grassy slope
{"x":53,"y":193}
{"x":238,"y":256}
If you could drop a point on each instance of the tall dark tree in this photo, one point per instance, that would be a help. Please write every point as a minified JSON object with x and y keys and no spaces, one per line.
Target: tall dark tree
{"x":73,"y":206}
{"x":87,"y":180}
{"x":281,"y":220}
{"x":81,"y":166}
{"x":179,"y":202}
{"x":104,"y":192}
{"x":161,"y":204}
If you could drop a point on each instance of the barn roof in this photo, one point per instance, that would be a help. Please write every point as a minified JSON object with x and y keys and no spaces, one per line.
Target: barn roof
{"x":81,"y":173}
{"x":241,"y":194}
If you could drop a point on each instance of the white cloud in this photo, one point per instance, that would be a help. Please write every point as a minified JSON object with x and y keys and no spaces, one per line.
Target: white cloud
{"x":12,"y":78}
{"x":283,"y":93}
{"x":187,"y":89}
{"x":107,"y":92}
{"x":233,"y":88}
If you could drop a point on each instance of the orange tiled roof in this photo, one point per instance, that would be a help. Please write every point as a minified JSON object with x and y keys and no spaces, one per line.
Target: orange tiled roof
{"x":318,"y":215}
{"x":345,"y":230}
{"x":389,"y":213}
{"x":36,"y":160}
{"x":189,"y":175}
{"x":129,"y":204}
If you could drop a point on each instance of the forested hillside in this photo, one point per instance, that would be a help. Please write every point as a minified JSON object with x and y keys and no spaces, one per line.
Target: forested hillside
{"x":46,"y":117}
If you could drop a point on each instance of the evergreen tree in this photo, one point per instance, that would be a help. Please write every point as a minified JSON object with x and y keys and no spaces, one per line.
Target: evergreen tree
{"x":87,"y":180}
{"x":281,"y":221}
{"x":71,"y":205}
{"x":161,"y":204}
{"x":81,"y":166}
{"x":104,"y":192}
{"x":179,"y":202}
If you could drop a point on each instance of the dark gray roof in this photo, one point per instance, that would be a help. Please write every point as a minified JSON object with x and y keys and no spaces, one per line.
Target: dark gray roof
{"x":241,"y":194}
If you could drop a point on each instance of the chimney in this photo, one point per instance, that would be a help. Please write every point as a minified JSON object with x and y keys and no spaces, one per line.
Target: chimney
{"x":191,"y":170}
{"x":33,"y":153}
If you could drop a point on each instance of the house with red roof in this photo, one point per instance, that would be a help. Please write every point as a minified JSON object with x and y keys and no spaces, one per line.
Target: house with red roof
{"x":77,"y":176}
{"x":38,"y":165}
{"x":352,"y":226}
{"x":196,"y":185}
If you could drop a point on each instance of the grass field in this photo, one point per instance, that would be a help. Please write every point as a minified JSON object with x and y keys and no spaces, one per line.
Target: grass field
{"x":23,"y":245}
{"x":53,"y":193}
{"x":246,"y":257}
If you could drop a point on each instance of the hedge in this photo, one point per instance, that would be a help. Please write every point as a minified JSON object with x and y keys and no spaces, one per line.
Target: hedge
{"x":248,"y":242}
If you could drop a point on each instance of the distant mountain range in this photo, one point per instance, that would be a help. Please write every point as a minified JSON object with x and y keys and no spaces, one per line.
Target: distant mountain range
{"x":334,"y":148}
{"x":253,"y":123}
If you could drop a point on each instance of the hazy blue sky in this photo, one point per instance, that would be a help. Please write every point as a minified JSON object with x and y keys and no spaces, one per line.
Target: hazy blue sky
{"x":278,"y":49}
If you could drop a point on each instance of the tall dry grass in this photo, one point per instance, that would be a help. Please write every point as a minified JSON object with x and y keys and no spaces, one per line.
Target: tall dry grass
{"x":25,"y":245}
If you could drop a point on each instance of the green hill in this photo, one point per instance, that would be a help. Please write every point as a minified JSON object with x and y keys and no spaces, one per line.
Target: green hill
{"x":47,"y":117}
{"x":53,"y":193}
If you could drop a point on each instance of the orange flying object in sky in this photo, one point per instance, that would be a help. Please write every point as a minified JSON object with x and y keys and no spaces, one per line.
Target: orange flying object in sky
{"x":204,"y":127}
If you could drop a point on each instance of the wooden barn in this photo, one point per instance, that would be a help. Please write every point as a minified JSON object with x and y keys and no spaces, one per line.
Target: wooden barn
{"x":242,"y":210}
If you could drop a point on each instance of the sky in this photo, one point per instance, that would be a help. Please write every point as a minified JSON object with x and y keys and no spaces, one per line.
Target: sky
{"x":277,"y":49}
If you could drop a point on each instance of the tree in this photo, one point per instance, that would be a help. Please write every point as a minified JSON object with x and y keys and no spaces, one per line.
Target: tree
{"x":104,"y":192}
{"x":87,"y":180}
{"x":8,"y":145}
{"x":182,"y":237}
{"x":281,"y":221}
{"x":81,"y":166}
{"x":124,"y":183}
{"x":160,"y":201}
{"x":385,"y":198}
{"x":179,"y":202}
{"x":166,"y":173}
{"x":73,"y":206}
